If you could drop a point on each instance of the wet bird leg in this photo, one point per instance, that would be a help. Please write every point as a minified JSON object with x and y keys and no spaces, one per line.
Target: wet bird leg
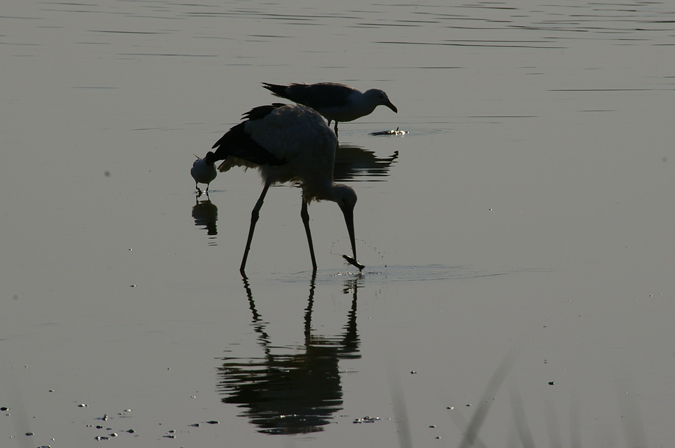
{"x":305,"y":220}
{"x":254,"y":219}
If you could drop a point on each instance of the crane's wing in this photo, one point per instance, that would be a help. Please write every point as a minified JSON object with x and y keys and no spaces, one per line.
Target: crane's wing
{"x":237,"y":142}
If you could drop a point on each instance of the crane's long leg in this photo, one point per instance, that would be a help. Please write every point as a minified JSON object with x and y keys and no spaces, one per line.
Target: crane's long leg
{"x":254,"y":219}
{"x":305,"y":221}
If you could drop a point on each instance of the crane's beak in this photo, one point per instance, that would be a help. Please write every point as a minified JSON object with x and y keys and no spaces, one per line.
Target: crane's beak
{"x":349,"y":220}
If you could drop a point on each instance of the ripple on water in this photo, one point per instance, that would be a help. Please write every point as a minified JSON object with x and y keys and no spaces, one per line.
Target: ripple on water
{"x":433,"y":272}
{"x":389,"y":273}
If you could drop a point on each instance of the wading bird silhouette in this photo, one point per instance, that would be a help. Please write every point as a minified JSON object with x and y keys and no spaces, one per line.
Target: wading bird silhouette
{"x":287,"y":143}
{"x":336,"y":102}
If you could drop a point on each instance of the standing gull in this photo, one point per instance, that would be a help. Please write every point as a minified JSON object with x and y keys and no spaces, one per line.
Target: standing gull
{"x":203,"y":171}
{"x":336,"y":102}
{"x":287,"y":143}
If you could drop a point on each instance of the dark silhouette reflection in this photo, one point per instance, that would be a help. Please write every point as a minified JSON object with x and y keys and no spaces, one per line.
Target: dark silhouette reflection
{"x":291,"y":393}
{"x":205,"y":214}
{"x":357,"y":164}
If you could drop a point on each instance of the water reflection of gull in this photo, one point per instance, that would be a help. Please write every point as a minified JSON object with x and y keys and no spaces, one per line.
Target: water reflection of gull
{"x":291,"y":393}
{"x":205,"y":215}
{"x":353,"y":163}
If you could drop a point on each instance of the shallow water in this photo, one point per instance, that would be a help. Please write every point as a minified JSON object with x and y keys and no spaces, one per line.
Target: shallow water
{"x":529,"y":208}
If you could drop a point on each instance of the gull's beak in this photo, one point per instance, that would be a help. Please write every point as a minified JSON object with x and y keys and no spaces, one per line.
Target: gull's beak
{"x":391,"y":106}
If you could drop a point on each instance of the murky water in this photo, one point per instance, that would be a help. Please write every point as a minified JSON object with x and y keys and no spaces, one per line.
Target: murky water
{"x":529,"y":208}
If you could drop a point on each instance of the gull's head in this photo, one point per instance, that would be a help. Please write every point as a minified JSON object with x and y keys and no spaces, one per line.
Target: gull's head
{"x":380,"y":98}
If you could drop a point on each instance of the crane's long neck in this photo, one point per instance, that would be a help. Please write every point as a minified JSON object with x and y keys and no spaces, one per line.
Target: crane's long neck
{"x":345,"y":197}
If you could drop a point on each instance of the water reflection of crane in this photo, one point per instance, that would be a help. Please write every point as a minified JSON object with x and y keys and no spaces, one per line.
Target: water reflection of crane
{"x":291,"y":393}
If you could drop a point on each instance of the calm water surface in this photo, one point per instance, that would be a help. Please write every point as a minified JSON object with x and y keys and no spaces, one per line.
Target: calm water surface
{"x":527,"y":215}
